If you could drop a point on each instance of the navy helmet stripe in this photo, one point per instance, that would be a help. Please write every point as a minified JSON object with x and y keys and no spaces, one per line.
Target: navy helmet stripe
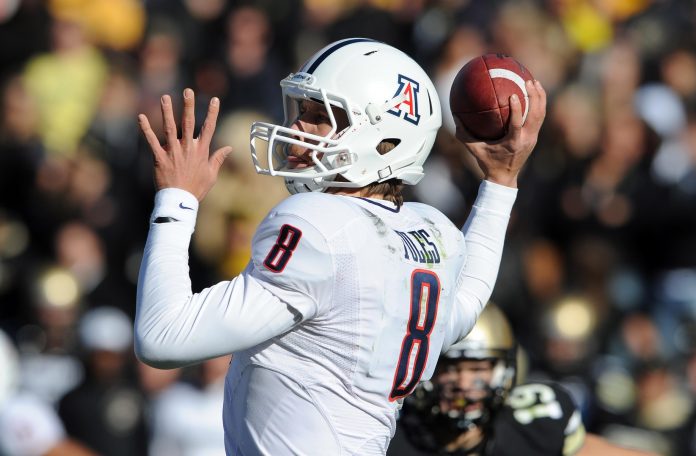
{"x":334,"y":48}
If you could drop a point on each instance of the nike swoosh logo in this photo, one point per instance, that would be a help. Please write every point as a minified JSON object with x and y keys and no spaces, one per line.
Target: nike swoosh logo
{"x":181,"y":205}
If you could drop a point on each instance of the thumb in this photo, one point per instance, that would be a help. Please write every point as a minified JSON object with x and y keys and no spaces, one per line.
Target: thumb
{"x":218,"y":157}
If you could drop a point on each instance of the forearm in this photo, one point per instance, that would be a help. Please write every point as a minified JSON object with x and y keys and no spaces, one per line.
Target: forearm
{"x":484,"y":236}
{"x":176,"y":327}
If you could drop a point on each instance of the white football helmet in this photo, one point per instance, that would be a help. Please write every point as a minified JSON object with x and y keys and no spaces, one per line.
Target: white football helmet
{"x":386,"y":96}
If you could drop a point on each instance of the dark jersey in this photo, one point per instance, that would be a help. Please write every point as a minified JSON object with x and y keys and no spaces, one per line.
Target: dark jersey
{"x":537,"y":419}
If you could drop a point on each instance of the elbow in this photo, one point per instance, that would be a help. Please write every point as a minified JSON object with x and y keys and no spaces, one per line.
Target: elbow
{"x":152,"y":357}
{"x":156,"y":354}
{"x":473,"y":301}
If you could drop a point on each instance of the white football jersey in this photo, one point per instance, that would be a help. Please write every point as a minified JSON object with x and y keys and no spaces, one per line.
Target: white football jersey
{"x":345,"y":306}
{"x":379,"y":283}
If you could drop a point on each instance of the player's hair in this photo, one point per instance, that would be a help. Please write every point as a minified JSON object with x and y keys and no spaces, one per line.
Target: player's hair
{"x":389,"y":189}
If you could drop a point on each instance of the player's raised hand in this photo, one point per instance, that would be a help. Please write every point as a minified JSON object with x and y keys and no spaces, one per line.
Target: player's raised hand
{"x":501,"y":160}
{"x":185,"y":163}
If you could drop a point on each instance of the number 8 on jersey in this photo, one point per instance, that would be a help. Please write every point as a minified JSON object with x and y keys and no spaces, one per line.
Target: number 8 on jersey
{"x":281,"y":252}
{"x":425,"y":295}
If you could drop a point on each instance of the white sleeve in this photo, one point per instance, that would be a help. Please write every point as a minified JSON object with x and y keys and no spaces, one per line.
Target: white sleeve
{"x":28,"y":427}
{"x":484,"y":236}
{"x":292,"y":260}
{"x":173,"y":326}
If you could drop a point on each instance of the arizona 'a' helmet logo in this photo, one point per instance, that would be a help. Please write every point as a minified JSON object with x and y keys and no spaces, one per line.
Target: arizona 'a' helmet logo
{"x":408,"y":108}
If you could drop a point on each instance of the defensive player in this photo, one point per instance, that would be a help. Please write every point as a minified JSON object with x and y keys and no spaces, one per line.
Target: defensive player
{"x":471,"y":407}
{"x":350,"y":294}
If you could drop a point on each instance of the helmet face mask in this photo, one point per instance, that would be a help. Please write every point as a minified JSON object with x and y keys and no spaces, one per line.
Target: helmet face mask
{"x":385,"y":95}
{"x":328,"y":156}
{"x":471,"y":389}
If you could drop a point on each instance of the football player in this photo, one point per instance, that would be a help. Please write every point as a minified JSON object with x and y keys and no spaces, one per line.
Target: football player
{"x":472,"y":406}
{"x":350,"y":294}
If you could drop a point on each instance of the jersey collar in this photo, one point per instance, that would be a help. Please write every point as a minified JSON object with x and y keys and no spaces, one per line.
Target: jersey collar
{"x":387,"y":205}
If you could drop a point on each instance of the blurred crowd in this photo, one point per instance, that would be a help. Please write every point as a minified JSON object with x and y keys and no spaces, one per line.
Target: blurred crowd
{"x":599,"y":272}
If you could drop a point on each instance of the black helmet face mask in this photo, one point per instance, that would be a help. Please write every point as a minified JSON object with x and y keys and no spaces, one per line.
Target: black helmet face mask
{"x":464,"y":390}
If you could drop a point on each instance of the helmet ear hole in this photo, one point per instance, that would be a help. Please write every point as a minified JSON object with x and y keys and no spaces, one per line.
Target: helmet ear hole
{"x":387,"y":145}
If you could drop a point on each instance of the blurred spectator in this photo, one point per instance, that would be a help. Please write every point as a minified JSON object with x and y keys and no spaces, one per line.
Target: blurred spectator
{"x":678,"y":71}
{"x":154,"y":381}
{"x":22,"y":150}
{"x":113,"y":24}
{"x":570,"y":326}
{"x":49,"y":366}
{"x":372,"y":19}
{"x":573,"y":106}
{"x":641,"y":339}
{"x":80,"y":251}
{"x":614,"y":197}
{"x":686,"y":440}
{"x":663,"y":405}
{"x":28,"y":425}
{"x":160,"y":59}
{"x":186,"y":416}
{"x":24,"y":23}
{"x":66,"y":84}
{"x":112,"y":145}
{"x":461,"y":46}
{"x":106,"y":410}
{"x":585,"y":23}
{"x":450,"y":172}
{"x":253,"y":71}
{"x":524,"y":30}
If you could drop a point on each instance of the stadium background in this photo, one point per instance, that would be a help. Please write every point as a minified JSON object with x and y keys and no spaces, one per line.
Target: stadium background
{"x":599,"y":271}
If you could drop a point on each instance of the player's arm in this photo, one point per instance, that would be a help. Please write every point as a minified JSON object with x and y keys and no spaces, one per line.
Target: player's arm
{"x":484,"y":232}
{"x":173,"y":326}
{"x":597,"y":446}
{"x":484,"y":237}
{"x":290,"y":267}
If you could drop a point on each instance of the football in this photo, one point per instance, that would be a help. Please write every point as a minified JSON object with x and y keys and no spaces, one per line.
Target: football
{"x":480,"y":94}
